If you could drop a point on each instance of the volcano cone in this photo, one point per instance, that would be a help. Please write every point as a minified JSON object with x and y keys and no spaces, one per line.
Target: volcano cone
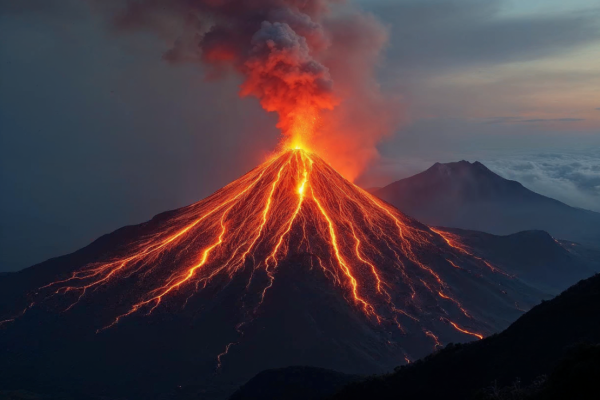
{"x":289,"y":265}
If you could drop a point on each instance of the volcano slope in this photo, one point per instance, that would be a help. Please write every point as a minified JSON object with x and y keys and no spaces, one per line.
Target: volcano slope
{"x":289,"y":265}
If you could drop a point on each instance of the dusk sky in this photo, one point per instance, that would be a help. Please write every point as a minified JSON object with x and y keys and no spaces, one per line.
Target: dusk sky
{"x":98,"y":132}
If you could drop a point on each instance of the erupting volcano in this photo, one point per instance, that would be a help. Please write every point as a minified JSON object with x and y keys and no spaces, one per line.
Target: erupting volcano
{"x":291,"y":264}
{"x":294,"y":208}
{"x":294,"y":205}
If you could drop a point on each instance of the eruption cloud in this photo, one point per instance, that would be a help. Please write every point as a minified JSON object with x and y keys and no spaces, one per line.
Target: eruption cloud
{"x":310,"y":61}
{"x":287,"y":80}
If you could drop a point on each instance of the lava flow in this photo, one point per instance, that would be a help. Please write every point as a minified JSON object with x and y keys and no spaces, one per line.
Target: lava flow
{"x":292,"y":207}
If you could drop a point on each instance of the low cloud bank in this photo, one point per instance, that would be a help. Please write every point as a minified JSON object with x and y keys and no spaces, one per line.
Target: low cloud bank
{"x":573,"y":178}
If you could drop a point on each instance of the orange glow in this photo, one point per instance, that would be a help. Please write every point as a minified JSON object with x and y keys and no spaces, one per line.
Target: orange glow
{"x":294,"y":205}
{"x":302,"y":129}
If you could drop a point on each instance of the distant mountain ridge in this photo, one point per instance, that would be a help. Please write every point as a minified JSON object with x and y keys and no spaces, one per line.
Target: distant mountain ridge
{"x":470,"y":196}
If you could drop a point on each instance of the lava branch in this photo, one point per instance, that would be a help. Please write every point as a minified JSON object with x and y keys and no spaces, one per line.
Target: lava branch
{"x":15,"y":317}
{"x":148,"y":251}
{"x":178,"y":280}
{"x":407,"y":247}
{"x":174,"y":283}
{"x":463,"y":330}
{"x":369,"y":309}
{"x":273,"y":256}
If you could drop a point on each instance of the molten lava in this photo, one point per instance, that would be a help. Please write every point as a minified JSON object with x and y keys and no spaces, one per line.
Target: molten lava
{"x":294,"y":206}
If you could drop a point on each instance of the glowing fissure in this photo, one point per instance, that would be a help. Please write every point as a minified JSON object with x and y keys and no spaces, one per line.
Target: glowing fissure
{"x":293,"y":205}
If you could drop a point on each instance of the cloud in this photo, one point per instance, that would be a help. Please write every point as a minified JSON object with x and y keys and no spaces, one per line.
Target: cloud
{"x":434,"y":35}
{"x":474,"y":61}
{"x":536,"y":120}
{"x":570,"y":176}
{"x":573,"y":177}
{"x":517,"y":120}
{"x":563,"y":164}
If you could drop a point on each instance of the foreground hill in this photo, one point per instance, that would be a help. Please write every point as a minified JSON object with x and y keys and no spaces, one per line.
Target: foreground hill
{"x":470,"y":196}
{"x":294,"y":383}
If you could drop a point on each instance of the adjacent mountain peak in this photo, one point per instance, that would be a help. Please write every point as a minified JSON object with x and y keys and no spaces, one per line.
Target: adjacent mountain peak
{"x":450,"y":185}
{"x":462,"y":169}
{"x":471,"y":196}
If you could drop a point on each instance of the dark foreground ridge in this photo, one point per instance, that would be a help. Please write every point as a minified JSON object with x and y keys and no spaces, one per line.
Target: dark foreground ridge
{"x":294,"y":383}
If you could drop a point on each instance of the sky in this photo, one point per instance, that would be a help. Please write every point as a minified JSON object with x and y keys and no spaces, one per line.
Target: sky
{"x":97,"y":132}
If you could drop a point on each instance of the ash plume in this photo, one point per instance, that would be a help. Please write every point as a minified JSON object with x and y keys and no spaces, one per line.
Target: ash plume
{"x":310,"y":61}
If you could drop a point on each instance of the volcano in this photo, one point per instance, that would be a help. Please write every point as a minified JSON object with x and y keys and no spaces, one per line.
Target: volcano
{"x":291,"y":264}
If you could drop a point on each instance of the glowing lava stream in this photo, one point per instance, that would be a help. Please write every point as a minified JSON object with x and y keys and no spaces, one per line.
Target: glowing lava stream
{"x":294,"y":205}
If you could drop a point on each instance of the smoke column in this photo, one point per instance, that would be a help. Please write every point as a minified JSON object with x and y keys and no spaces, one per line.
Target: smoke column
{"x":310,"y":61}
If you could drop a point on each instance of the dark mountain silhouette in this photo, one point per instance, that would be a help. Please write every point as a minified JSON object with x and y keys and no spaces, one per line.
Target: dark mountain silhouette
{"x":470,"y":196}
{"x":541,"y":356}
{"x":575,"y":377}
{"x":294,"y":383}
{"x":289,"y":265}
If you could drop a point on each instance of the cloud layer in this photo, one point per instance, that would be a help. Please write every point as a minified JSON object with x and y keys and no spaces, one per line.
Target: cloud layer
{"x":573,"y":178}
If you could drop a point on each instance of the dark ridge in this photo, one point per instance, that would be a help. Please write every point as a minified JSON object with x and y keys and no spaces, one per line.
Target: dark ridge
{"x":293,"y":383}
